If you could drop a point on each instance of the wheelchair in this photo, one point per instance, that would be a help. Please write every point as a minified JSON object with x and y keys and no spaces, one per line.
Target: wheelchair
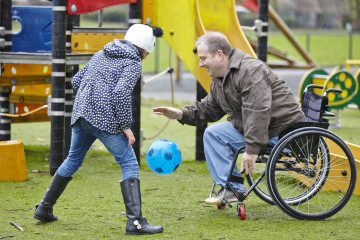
{"x":309,"y":174}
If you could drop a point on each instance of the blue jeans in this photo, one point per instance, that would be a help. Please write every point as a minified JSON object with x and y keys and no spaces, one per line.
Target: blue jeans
{"x":83,"y":136}
{"x":221,"y":141}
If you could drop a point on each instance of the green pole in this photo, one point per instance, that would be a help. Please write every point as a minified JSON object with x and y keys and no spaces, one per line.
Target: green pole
{"x":350,"y":45}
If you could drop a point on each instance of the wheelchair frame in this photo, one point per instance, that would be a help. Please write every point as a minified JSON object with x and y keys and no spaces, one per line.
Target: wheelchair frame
{"x":301,"y":156}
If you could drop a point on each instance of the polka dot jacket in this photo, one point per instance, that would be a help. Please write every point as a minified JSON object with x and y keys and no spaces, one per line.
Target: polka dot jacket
{"x":104,"y":86}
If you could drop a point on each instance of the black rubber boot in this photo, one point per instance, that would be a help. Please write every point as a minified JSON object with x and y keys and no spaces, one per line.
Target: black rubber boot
{"x":44,"y":210}
{"x":136,"y":224}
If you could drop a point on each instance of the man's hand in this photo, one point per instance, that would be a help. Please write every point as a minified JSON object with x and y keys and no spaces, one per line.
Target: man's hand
{"x":130,"y":136}
{"x":169,"y":112}
{"x":248,"y":163}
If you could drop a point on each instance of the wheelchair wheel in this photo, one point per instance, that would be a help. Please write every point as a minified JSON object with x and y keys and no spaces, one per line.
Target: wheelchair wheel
{"x":260,"y":190}
{"x":311,"y":174}
{"x":241,"y":211}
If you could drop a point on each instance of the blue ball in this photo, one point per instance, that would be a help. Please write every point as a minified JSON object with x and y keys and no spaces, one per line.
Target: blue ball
{"x":163,"y":156}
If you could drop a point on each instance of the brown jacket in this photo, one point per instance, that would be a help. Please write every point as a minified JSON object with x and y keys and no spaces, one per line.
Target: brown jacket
{"x":259,"y":104}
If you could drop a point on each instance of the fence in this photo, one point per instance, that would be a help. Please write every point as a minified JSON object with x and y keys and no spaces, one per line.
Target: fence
{"x":331,"y":49}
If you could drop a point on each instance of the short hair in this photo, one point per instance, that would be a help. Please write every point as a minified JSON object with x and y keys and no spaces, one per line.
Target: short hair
{"x":215,"y":41}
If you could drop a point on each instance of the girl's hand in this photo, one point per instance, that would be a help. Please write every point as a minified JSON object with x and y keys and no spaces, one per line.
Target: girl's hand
{"x":130,"y":136}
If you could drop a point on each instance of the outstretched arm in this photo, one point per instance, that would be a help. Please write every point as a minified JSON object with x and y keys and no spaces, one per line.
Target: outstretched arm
{"x":169,"y":112}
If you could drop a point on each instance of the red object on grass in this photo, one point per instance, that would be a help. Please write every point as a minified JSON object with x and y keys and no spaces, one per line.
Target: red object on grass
{"x":86,"y":6}
{"x":251,"y":5}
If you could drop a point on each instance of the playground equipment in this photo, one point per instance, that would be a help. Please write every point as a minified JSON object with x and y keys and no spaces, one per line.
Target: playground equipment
{"x":30,"y":72}
{"x":12,"y":161}
{"x":35,"y":30}
{"x":30,"y":88}
{"x":221,"y":16}
{"x":310,"y":173}
{"x":352,"y":62}
{"x":288,"y":61}
{"x":337,"y":79}
{"x":91,"y":40}
{"x":86,"y":6}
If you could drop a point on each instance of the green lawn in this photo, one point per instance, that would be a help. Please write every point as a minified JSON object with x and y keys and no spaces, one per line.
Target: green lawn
{"x":92,"y":206}
{"x":327,"y":48}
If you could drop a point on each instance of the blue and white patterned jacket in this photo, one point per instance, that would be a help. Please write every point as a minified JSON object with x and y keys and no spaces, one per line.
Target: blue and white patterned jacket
{"x":104,"y":86}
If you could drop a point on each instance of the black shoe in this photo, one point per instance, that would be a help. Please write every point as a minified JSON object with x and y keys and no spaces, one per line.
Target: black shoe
{"x":141,"y":226}
{"x":44,"y":210}
{"x":136,"y":224}
{"x":44,"y":214}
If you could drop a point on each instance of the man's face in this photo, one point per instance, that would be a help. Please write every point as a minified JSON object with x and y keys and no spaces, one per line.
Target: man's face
{"x":211,"y":62}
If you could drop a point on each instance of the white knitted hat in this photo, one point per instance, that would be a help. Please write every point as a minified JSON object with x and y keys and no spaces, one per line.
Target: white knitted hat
{"x":142,"y":36}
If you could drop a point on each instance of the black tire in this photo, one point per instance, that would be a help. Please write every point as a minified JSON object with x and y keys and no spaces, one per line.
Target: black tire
{"x":308,"y":184}
{"x":261,"y":189}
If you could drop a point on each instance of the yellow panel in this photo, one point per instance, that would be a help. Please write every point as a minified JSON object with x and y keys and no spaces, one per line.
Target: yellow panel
{"x":149,"y":11}
{"x":221,"y":16}
{"x":12,"y":161}
{"x":355,"y":149}
{"x":336,"y":181}
{"x":22,"y":74}
{"x":34,"y":94}
{"x":182,"y":25}
{"x":337,"y":154}
{"x":318,"y":81}
{"x":33,"y":90}
{"x":350,"y":62}
{"x":91,"y":42}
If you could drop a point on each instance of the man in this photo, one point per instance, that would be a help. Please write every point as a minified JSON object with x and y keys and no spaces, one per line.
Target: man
{"x":258,"y":103}
{"x":103,"y":110}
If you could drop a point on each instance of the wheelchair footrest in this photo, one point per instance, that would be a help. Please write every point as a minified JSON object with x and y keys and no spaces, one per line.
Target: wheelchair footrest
{"x":236,"y":179}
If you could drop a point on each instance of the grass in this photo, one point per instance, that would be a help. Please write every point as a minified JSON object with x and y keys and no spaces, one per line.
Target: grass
{"x":326,"y":48}
{"x":92,"y":206}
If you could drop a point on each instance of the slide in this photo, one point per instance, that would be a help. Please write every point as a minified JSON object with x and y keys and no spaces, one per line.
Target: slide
{"x":184,"y":21}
